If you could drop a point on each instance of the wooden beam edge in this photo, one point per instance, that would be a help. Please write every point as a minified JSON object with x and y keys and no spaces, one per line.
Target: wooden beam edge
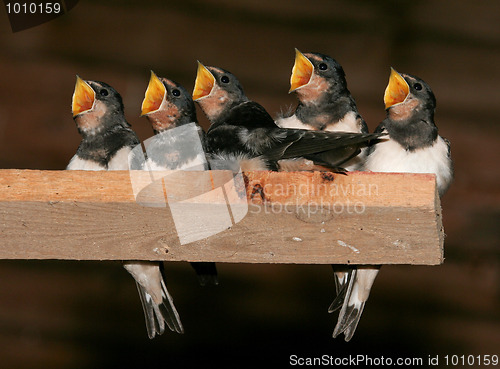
{"x":370,"y":188}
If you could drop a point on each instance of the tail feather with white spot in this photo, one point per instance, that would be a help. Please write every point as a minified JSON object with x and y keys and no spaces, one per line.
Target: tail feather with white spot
{"x":157,"y":315}
{"x":157,"y":303}
{"x":360,"y":281}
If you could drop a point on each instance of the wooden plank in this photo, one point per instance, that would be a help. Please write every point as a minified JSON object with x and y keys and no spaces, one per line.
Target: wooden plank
{"x":299,"y":217}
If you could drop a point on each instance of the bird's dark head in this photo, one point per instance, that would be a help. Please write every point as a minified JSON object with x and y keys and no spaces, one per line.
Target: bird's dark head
{"x":96,"y":106}
{"x":407,"y":95}
{"x":167,"y":104}
{"x":217,"y":90}
{"x":315,"y":75}
{"x":410,"y":106}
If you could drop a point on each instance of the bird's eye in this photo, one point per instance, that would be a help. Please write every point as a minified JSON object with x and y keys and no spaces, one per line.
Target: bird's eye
{"x":176,"y":92}
{"x":103,"y":92}
{"x":224,"y":79}
{"x":323,"y":66}
{"x":417,"y":86}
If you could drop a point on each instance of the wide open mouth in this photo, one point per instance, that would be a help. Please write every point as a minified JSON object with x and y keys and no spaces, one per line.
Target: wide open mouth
{"x":204,"y":83}
{"x":83,"y":97}
{"x":397,"y":90}
{"x":154,"y":95}
{"x":302,"y":71}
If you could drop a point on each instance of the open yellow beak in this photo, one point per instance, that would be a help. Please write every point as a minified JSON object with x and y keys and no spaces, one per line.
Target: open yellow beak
{"x":83,"y":97}
{"x":154,"y":95}
{"x":396,"y":91}
{"x":302,"y":71}
{"x":204,"y":83}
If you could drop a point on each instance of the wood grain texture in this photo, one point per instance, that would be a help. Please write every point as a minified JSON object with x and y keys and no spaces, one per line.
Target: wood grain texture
{"x":300,"y":217}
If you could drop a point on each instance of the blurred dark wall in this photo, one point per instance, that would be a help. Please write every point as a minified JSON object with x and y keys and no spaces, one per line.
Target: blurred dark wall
{"x":87,"y":314}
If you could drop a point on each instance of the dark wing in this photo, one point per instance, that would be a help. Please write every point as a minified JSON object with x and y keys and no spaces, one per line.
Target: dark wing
{"x":224,"y":139}
{"x":337,"y":157}
{"x":294,"y":143}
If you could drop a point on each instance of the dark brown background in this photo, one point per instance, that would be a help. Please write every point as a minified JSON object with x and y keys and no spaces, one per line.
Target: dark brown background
{"x":87,"y":314}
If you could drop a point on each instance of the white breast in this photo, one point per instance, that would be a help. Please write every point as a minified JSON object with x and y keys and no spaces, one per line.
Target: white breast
{"x":347,"y":124}
{"x":390,"y":156}
{"x":118,"y":162}
{"x":291,"y":122}
{"x":77,"y":163}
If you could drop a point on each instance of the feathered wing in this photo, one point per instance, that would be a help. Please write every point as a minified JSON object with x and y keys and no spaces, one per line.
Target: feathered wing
{"x":292,"y":143}
{"x":249,"y":128}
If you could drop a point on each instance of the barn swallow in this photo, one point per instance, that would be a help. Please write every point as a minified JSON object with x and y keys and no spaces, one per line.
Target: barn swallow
{"x":243,"y":128}
{"x":107,"y":140}
{"x":326,"y":104}
{"x":168,"y":105}
{"x":412,"y":146}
